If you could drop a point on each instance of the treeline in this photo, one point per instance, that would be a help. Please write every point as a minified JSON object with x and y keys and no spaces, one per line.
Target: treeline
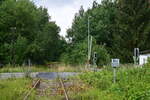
{"x":117,"y":26}
{"x":26,"y":32}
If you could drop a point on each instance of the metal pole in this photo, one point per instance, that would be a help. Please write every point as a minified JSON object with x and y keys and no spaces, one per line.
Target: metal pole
{"x":136,"y":56}
{"x":29,"y":62}
{"x":88,"y":38}
{"x":90,"y":48}
{"x":29,"y":65}
{"x":114,"y":75}
{"x":89,"y":41}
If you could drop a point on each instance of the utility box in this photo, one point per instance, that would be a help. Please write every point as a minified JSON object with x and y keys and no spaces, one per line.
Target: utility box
{"x":115,"y":63}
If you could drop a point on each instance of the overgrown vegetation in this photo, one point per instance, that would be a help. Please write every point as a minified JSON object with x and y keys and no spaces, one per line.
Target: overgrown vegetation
{"x":117,"y":27}
{"x":77,"y":54}
{"x":42,"y":68}
{"x":14,"y":89}
{"x":10,"y":69}
{"x":132,"y":84}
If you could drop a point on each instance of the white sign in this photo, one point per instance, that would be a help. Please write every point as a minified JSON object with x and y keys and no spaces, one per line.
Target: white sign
{"x":115,"y":62}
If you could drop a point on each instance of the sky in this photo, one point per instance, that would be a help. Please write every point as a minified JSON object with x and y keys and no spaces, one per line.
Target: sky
{"x":63,"y":11}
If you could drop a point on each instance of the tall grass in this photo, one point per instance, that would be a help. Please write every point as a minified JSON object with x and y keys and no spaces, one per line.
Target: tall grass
{"x":8,"y":69}
{"x":14,"y":89}
{"x":132,"y":84}
{"x":42,"y":68}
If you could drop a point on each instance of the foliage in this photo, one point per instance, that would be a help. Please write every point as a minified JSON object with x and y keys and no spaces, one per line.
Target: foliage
{"x":26,"y":32}
{"x":41,"y":68}
{"x":77,"y":54}
{"x":117,"y":26}
{"x":103,"y":57}
{"x":12,"y":89}
{"x":132,"y":83}
{"x":133,"y":25}
{"x":121,"y":25}
{"x":10,"y":69}
{"x":148,"y":63}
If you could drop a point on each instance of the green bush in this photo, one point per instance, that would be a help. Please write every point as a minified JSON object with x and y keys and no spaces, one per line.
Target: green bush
{"x":132,"y":83}
{"x":103,"y":58}
{"x":15,"y":89}
{"x":77,"y":54}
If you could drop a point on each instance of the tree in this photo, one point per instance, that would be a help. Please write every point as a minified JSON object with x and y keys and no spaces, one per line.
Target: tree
{"x":120,"y":25}
{"x":26,"y":32}
{"x":76,"y":54}
{"x":101,"y":26}
{"x":95,"y":4}
{"x":133,"y":23}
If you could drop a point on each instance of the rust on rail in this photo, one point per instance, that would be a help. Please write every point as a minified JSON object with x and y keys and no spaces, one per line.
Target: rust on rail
{"x":65,"y":92}
{"x":30,"y":91}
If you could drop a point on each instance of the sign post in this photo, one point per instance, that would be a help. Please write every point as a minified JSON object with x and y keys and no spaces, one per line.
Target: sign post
{"x":28,"y":68}
{"x":136,"y":56}
{"x":115,"y":63}
{"x":114,"y":80}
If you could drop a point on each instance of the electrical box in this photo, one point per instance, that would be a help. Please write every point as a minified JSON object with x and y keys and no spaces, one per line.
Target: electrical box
{"x":115,"y":63}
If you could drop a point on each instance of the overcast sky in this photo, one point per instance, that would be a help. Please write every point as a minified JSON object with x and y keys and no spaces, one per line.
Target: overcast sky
{"x":63,"y":11}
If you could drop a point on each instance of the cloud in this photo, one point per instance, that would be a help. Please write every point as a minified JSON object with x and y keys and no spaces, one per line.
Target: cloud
{"x":61,"y":2}
{"x":55,"y":3}
{"x":63,"y":11}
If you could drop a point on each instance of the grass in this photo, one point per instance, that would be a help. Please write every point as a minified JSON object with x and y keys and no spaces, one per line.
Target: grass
{"x":14,"y":89}
{"x":7,"y":69}
{"x":59,"y":68}
{"x":132,"y":84}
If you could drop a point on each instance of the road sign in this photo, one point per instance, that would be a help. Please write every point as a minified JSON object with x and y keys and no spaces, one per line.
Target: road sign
{"x":115,"y":62}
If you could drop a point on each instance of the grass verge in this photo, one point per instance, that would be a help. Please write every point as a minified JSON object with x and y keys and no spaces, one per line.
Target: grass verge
{"x":14,"y":89}
{"x":59,"y":68}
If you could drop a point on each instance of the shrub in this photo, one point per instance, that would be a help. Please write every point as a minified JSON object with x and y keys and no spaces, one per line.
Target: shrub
{"x":77,"y":54}
{"x":132,"y":83}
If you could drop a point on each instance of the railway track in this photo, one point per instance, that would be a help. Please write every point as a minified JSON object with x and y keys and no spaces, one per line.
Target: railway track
{"x":57,"y":84}
{"x":30,"y":91}
{"x":64,"y":89}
